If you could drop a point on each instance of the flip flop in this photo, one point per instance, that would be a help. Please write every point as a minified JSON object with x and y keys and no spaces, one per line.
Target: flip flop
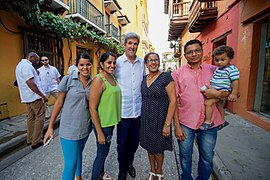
{"x":205,"y":126}
{"x":160,"y":176}
{"x":107,"y":177}
{"x":150,"y":175}
{"x":219,"y":127}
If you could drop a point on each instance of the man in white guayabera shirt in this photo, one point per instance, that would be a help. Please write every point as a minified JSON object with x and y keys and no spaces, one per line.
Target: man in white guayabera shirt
{"x":33,"y":96}
{"x":49,"y":77}
{"x":129,"y":73}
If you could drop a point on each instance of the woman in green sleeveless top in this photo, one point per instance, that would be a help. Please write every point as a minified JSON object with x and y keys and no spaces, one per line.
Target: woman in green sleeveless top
{"x":105,"y":109}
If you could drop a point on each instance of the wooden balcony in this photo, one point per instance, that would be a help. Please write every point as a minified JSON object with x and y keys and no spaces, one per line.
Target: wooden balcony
{"x":178,"y":19}
{"x":112,"y":32}
{"x":112,"y":5}
{"x":85,"y":12}
{"x":56,"y":6}
{"x":201,"y":14}
{"x":123,"y":20}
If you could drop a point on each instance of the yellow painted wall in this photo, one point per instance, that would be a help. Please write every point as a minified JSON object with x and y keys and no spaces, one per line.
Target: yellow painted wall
{"x":11,"y":51}
{"x":134,"y":10}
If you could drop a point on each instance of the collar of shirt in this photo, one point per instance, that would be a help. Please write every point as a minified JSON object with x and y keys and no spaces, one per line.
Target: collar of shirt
{"x":47,"y":67}
{"x":27,"y":61}
{"x":125,"y":59}
{"x":188,"y":65}
{"x":76,"y":76}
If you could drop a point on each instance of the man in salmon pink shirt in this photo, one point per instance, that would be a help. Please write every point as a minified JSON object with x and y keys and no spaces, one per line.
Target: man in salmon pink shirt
{"x":190,"y":112}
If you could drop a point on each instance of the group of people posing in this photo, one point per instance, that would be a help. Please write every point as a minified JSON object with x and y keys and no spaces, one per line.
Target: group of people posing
{"x":143,"y":108}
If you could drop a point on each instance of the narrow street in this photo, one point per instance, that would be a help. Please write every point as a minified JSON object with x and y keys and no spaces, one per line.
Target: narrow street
{"x":46,"y":163}
{"x":242,"y":152}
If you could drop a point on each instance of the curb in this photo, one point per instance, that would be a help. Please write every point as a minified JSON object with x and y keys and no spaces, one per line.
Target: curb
{"x":220,"y":169}
{"x":7,"y":147}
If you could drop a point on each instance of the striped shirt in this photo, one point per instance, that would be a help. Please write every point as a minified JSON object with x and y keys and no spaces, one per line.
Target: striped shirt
{"x":223,"y":77}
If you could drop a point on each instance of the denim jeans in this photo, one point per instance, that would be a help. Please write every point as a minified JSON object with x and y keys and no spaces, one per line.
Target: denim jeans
{"x":128,"y":137}
{"x":206,"y":140}
{"x":102,"y":152}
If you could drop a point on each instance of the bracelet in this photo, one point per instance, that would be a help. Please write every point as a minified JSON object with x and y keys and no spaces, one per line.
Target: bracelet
{"x":167,"y":125}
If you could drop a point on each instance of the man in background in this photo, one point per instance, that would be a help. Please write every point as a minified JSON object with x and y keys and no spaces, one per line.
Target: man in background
{"x":50,"y":78}
{"x":72,"y":69}
{"x":33,"y":96}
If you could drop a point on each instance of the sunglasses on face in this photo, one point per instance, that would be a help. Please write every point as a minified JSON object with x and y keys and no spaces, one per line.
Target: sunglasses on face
{"x":44,"y":60}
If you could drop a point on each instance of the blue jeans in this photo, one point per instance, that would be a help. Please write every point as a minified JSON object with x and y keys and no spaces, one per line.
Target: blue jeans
{"x":102,"y":152}
{"x":206,"y":140}
{"x":72,"y":150}
{"x":128,"y":137}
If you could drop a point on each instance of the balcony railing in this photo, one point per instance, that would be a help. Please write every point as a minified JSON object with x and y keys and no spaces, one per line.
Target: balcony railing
{"x":180,"y":9}
{"x":178,"y":20}
{"x":201,"y":14}
{"x":112,"y":31}
{"x":86,"y":9}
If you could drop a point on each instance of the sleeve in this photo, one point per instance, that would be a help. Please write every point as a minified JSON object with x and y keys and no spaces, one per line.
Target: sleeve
{"x":27,"y":72}
{"x":176,"y":82}
{"x":57,"y":74}
{"x":234,"y":73}
{"x":213,"y":68}
{"x":63,"y":85}
{"x":168,"y":78}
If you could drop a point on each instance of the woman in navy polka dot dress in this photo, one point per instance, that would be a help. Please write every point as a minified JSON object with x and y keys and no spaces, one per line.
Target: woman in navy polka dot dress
{"x":158,"y":106}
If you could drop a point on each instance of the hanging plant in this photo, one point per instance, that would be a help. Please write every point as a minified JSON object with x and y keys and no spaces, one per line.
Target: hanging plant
{"x":31,"y":11}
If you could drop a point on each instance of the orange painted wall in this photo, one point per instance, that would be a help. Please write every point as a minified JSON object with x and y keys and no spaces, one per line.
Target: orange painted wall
{"x":248,"y":59}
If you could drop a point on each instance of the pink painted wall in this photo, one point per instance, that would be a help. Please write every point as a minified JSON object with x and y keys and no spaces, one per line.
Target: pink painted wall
{"x":229,"y":21}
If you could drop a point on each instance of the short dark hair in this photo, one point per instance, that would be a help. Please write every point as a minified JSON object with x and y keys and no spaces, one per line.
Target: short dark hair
{"x":105,"y":56}
{"x":32,"y":54}
{"x":84,"y":56}
{"x":148,"y":54}
{"x":224,"y":49}
{"x":193,"y":41}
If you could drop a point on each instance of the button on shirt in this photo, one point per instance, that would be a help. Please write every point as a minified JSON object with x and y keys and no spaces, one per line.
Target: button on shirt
{"x":24,"y":72}
{"x":48,"y":76}
{"x":75,"y":116}
{"x":191,"y":109}
{"x":129,"y":77}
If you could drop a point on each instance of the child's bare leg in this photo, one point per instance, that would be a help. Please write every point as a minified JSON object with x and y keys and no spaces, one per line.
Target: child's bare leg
{"x":208,"y":109}
{"x":221,"y":109}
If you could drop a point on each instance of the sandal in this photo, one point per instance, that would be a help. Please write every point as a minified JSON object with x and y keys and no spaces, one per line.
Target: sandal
{"x":206,"y":126}
{"x":160,"y":176}
{"x":107,"y":177}
{"x":150,"y":175}
{"x":219,"y":127}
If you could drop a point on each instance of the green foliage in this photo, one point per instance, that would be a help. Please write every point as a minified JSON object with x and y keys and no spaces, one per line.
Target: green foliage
{"x":34,"y":15}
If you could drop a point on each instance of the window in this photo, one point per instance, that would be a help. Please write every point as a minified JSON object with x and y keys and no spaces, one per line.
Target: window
{"x":44,"y":45}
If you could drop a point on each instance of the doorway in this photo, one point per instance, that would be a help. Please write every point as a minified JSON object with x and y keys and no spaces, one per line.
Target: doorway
{"x":262,"y":103}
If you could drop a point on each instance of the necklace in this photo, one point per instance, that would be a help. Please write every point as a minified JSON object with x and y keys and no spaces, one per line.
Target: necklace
{"x":151,"y":77}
